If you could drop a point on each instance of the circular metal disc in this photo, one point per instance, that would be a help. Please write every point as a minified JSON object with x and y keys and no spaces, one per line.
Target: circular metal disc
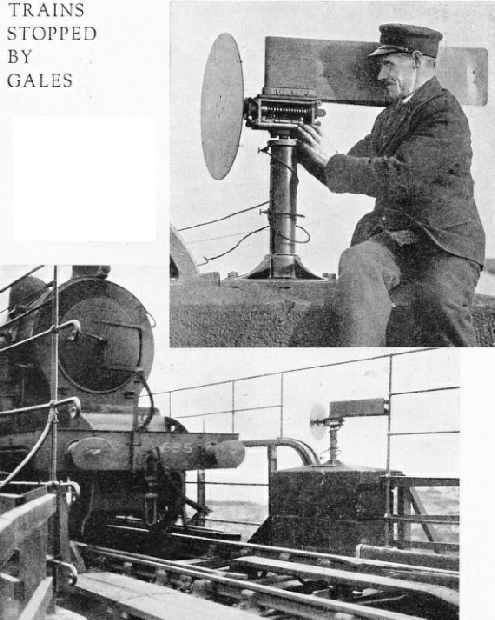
{"x":317,"y":414}
{"x":222,"y":104}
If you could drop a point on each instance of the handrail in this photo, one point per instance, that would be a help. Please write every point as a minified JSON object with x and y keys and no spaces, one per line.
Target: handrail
{"x":59,"y":403}
{"x":20,"y":279}
{"x":408,"y":497}
{"x":76,"y":330}
{"x":33,"y":451}
{"x":46,"y":589}
{"x":19,"y":317}
{"x":396,"y":393}
{"x":23,"y":540}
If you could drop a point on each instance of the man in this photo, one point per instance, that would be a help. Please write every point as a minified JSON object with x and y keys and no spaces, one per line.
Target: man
{"x":425,"y":225}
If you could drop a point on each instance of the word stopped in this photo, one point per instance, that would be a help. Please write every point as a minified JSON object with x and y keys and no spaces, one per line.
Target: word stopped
{"x":51,"y":33}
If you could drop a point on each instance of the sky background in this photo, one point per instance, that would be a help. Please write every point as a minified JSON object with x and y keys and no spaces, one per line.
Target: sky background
{"x":329,"y":218}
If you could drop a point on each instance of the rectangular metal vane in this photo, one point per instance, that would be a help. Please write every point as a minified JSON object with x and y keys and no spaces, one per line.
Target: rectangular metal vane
{"x":341,"y":72}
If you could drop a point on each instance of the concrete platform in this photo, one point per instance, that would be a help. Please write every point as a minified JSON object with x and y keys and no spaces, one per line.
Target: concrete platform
{"x":208,"y":312}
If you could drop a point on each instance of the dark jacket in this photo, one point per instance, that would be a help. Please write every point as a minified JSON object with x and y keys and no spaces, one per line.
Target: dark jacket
{"x":416,"y":163}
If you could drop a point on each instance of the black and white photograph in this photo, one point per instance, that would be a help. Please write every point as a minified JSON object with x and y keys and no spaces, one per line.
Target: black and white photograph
{"x":331,"y":186}
{"x":247,"y":307}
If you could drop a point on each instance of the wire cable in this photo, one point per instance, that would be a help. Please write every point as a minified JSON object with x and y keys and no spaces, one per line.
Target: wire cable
{"x":51,"y":418}
{"x":144,"y":424}
{"x":281,"y":162}
{"x":239,"y":234}
{"x":253,"y":232}
{"x":26,"y":275}
{"x":226,"y":217}
{"x":279,"y":234}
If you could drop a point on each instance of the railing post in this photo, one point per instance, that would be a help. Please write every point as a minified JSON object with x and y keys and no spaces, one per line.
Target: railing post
{"x":233,"y":406}
{"x":388,"y":491}
{"x":54,"y":370}
{"x":201,"y":495}
{"x":56,"y":542}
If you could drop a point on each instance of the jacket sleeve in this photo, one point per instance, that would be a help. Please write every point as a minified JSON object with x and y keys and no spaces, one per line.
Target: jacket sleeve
{"x":435,"y":145}
{"x":361,"y":148}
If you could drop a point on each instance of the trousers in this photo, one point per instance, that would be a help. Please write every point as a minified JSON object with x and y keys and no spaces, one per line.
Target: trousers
{"x":444,"y":291}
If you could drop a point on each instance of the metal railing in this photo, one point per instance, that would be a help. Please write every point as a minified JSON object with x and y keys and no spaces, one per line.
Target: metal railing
{"x":276,"y":400}
{"x":26,"y":526}
{"x":403,"y":505}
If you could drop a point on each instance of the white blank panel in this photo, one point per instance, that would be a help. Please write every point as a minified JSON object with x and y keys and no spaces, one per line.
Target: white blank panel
{"x":84,"y":178}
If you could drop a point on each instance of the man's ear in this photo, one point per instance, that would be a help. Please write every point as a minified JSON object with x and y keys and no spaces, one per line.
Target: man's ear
{"x":417,"y":58}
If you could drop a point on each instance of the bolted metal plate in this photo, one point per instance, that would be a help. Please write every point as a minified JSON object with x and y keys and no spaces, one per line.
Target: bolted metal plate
{"x":222,"y":104}
{"x":341,"y":72}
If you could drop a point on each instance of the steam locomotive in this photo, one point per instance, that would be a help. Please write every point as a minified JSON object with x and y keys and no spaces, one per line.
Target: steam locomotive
{"x":127,"y":459}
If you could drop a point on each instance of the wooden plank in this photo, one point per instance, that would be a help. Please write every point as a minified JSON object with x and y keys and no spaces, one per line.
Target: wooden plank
{"x":9,"y":501}
{"x":37,"y":606}
{"x":303,"y":600}
{"x":32,"y":561}
{"x":181,"y":607}
{"x":358,"y":580}
{"x":10,"y":593}
{"x":341,"y":72}
{"x":16,"y":493}
{"x":19,"y":523}
{"x":150,"y":601}
{"x":433,"y":560}
{"x":100,"y":586}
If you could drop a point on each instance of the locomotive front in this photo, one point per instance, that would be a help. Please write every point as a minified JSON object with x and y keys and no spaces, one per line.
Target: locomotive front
{"x":129,"y":460}
{"x":108,"y":362}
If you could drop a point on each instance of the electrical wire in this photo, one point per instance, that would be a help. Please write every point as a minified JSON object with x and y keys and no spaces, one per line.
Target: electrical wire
{"x":26,"y":275}
{"x":279,"y":234}
{"x":226,"y":217}
{"x":217,"y":238}
{"x":280,"y":161}
{"x":253,"y":232}
{"x":144,"y":424}
{"x":51,"y":418}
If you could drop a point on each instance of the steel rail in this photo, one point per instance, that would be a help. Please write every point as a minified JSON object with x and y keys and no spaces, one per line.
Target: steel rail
{"x":276,"y":595}
{"x":315,"y":556}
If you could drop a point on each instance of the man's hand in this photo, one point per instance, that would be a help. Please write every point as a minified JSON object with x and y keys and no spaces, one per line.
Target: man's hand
{"x":311,"y":141}
{"x":312,"y":151}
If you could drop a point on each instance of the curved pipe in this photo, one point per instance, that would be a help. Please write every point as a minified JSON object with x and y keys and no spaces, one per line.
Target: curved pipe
{"x":307,"y":454}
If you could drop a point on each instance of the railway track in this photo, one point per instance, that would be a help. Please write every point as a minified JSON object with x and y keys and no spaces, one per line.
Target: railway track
{"x":287,"y":584}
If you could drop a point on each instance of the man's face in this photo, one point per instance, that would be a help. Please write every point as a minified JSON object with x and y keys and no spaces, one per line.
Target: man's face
{"x":398,"y":73}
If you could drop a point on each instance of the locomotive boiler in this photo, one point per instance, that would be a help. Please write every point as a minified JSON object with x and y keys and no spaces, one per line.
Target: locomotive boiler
{"x":127,"y":458}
